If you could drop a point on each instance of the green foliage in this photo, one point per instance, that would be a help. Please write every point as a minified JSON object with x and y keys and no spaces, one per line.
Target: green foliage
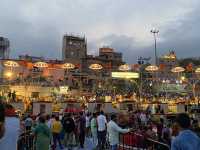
{"x":184,"y":62}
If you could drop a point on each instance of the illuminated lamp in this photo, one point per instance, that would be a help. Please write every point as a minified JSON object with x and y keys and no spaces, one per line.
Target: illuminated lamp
{"x":8,"y":74}
{"x":95,"y":67}
{"x":197,"y":70}
{"x":152,"y":68}
{"x":68,"y":66}
{"x":10,"y":63}
{"x":183,"y":78}
{"x":124,"y":67}
{"x":177,"y":69}
{"x":41,"y":64}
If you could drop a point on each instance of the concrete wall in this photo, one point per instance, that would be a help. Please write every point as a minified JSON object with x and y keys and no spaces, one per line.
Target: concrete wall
{"x":106,"y":107}
{"x":37,"y":108}
{"x":26,"y":91}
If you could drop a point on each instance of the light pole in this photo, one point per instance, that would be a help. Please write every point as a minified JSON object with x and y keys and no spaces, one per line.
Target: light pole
{"x":41,"y":65}
{"x":95,"y":68}
{"x":10,"y":74}
{"x":67,"y":67}
{"x":152,"y":69}
{"x":155,"y":32}
{"x":197,"y":71}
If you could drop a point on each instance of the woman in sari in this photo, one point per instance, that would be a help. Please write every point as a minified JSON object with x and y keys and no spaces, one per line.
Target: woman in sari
{"x":42,"y":135}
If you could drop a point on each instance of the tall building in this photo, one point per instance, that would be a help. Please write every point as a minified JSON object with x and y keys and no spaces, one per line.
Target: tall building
{"x":74,"y":48}
{"x":4,"y":48}
{"x":110,"y":57}
{"x":4,"y":52}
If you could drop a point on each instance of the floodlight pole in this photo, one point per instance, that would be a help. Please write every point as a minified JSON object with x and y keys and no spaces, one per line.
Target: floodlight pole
{"x":155,"y":32}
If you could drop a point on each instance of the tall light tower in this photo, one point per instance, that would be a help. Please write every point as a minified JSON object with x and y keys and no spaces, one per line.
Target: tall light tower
{"x":155,"y":33}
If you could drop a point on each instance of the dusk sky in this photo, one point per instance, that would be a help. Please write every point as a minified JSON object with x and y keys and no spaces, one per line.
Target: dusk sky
{"x":36,"y":27}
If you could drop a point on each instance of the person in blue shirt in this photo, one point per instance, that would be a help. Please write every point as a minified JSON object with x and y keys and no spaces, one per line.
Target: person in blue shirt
{"x":186,"y":139}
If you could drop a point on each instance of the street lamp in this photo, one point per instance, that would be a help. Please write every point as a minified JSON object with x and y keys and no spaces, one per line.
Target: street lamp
{"x":68,"y":66}
{"x":155,"y":32}
{"x":152,"y":68}
{"x":40,"y":64}
{"x":10,"y":64}
{"x":177,"y":69}
{"x":197,"y":71}
{"x":9,"y":73}
{"x":95,"y":68}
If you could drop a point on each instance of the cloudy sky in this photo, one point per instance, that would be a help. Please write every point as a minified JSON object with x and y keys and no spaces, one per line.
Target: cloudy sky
{"x":36,"y":27}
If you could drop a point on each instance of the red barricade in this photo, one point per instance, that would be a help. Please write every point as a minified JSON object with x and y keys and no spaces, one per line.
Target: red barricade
{"x":131,"y":140}
{"x":10,"y":112}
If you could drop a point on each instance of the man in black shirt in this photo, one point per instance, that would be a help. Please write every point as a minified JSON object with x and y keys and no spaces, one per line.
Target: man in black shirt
{"x":69,"y":128}
{"x":81,"y":129}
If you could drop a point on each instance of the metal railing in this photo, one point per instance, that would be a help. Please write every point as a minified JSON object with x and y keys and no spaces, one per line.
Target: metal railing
{"x":156,"y":145}
{"x":26,"y":141}
{"x":135,"y":141}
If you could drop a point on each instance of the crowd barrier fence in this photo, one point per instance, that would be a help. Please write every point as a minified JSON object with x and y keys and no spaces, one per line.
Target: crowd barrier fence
{"x":26,"y":141}
{"x":135,"y":141}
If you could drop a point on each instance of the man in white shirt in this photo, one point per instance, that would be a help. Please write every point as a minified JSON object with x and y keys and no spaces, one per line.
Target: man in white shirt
{"x":87,"y":124}
{"x":143,"y":118}
{"x":113,"y":132}
{"x":101,"y":130}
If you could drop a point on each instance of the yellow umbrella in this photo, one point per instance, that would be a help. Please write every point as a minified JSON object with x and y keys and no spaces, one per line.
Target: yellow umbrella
{"x":178,"y":69}
{"x":95,"y":67}
{"x":41,"y":64}
{"x":68,"y":66}
{"x":124,"y":67}
{"x":10,"y":63}
{"x":152,"y":68}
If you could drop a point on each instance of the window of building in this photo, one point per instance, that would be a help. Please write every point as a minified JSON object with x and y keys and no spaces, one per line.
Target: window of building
{"x":72,"y":53}
{"x":42,"y":108}
{"x":35,"y":94}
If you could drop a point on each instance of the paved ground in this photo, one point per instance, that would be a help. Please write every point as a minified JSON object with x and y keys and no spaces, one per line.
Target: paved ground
{"x":88,"y":145}
{"x":9,"y":140}
{"x":12,"y":129}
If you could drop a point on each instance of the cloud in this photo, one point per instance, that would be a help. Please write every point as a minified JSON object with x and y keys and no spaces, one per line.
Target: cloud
{"x":180,"y":34}
{"x":36,"y":27}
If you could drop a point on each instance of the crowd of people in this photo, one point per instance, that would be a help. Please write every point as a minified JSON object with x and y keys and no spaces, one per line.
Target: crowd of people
{"x":70,"y":130}
{"x":176,"y":132}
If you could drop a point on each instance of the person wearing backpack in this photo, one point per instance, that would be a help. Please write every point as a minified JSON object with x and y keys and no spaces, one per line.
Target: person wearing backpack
{"x":69,"y":128}
{"x":42,"y":135}
{"x":28,"y":123}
